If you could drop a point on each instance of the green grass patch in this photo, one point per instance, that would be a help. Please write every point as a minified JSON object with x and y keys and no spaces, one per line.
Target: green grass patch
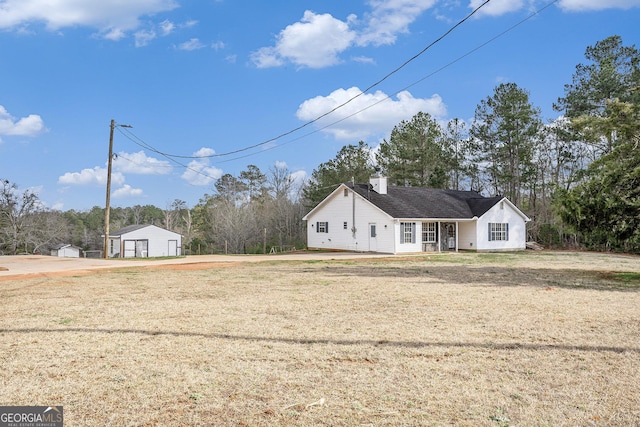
{"x":627,"y":278}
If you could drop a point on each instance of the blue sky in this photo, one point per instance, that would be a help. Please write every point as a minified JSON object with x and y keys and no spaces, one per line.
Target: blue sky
{"x":201,"y":79}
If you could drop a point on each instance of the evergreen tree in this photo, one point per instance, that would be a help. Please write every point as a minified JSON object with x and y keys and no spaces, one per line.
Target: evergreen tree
{"x":416,"y":154}
{"x":353,"y":162}
{"x":505,"y":130}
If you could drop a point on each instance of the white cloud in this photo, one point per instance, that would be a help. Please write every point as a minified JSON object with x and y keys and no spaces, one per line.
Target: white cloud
{"x":167,"y":27}
{"x":144,"y":37}
{"x":95,"y":176}
{"x":26,"y":126}
{"x":112,"y":18}
{"x":317,"y":40}
{"x":298,"y":178}
{"x":369,"y":114}
{"x":217,"y":45}
{"x":390,"y":17}
{"x":584,"y":5}
{"x":314,"y":42}
{"x":139,"y":163}
{"x":127,"y":191}
{"x":198,"y":171}
{"x":193,"y":44}
{"x":496,"y":7}
{"x":364,"y":59}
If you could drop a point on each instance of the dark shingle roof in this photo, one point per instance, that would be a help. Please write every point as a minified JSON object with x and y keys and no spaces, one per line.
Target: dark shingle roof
{"x":128,"y":229}
{"x":417,"y":202}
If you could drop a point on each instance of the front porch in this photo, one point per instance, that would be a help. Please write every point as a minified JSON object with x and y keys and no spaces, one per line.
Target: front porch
{"x":440,"y":236}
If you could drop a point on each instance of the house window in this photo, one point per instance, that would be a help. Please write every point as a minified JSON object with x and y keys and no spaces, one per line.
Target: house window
{"x":407,"y":232}
{"x":346,"y":192}
{"x":428,"y":232}
{"x":322,"y":227}
{"x":344,"y":225}
{"x":498,"y":231}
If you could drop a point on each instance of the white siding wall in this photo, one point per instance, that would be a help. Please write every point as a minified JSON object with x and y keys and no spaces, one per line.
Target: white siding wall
{"x":337,"y":210}
{"x":158,"y":240}
{"x":467,"y":239}
{"x":506,"y":214}
{"x":67,"y":252}
{"x":408,"y":247}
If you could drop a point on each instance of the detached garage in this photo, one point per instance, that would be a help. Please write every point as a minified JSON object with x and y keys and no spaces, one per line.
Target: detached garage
{"x":144,"y":241}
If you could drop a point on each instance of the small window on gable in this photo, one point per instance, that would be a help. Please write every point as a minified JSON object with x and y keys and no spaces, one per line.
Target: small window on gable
{"x":346,"y":192}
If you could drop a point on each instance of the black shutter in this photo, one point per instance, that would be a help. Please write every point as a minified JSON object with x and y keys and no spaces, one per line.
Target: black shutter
{"x":490,"y":239}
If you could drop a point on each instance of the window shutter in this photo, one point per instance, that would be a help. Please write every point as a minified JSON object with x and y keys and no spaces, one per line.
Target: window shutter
{"x":317,"y":226}
{"x":413,"y":232}
{"x":326,"y":227}
{"x":401,"y":232}
{"x":490,"y":239}
{"x":507,"y":233}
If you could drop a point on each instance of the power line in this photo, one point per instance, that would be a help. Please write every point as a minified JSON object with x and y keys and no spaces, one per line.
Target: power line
{"x":377,"y":83}
{"x":468,"y":53}
{"x":140,"y":142}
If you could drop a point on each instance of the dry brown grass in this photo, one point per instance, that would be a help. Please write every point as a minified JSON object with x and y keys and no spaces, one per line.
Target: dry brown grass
{"x":467,"y":340}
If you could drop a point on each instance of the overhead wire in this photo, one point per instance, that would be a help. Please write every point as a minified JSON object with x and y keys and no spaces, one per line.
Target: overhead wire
{"x":334,"y":109}
{"x":134,"y":138}
{"x":387,"y":97}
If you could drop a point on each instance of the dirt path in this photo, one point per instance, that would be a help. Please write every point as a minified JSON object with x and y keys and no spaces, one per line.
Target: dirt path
{"x":23,"y":266}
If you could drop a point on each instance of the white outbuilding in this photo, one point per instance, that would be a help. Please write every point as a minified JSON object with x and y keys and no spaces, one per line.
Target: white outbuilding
{"x":66,"y":251}
{"x":144,"y":241}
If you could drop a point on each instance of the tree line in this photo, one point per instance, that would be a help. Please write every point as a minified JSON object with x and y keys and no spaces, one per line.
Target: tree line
{"x":254,"y":212}
{"x":577,"y":177}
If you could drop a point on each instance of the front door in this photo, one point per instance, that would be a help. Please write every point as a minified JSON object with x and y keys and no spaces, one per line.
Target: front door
{"x":451,"y":237}
{"x":373,"y":242}
{"x":173,"y":248}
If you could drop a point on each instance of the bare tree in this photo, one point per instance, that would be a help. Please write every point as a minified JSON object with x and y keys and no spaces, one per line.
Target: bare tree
{"x":16,"y":209}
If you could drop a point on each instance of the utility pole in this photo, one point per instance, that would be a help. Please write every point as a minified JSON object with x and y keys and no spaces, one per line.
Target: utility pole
{"x":107,"y":210}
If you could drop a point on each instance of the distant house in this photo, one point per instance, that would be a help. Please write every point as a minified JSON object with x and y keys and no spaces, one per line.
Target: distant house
{"x":375,"y":217}
{"x":142,"y":241}
{"x":66,"y":251}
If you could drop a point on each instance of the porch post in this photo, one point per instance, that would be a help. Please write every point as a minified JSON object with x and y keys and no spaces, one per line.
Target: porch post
{"x":457,"y":236}
{"x":439,"y":237}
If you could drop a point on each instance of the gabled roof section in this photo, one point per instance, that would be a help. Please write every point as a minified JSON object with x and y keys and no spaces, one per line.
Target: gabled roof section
{"x":417,"y":202}
{"x":129,"y":229}
{"x":64,"y":245}
{"x":325,"y":200}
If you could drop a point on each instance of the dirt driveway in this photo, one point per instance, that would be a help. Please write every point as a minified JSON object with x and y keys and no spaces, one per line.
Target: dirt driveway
{"x":24,"y":266}
{"x":12,"y":267}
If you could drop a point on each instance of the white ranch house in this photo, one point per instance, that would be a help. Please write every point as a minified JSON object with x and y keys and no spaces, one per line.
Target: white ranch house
{"x":376,"y":217}
{"x":142,"y":241}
